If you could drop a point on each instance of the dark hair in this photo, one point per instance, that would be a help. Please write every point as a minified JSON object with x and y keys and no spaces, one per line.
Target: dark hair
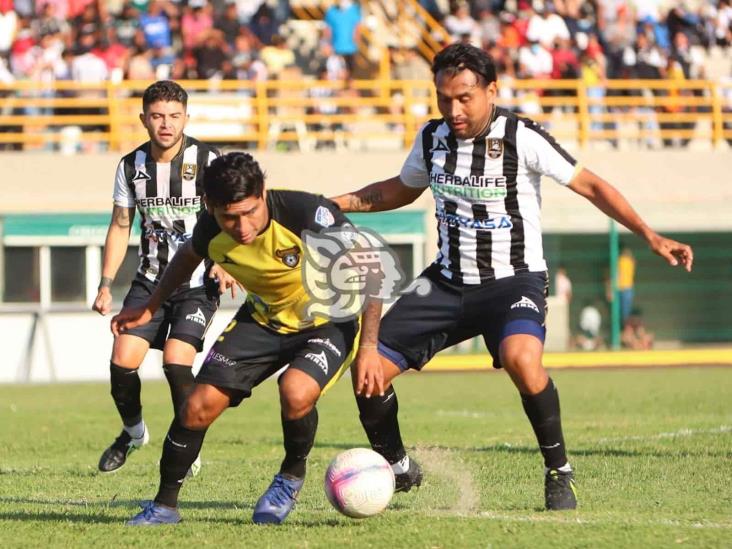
{"x":458,"y":57}
{"x":232,"y":177}
{"x":164,"y":90}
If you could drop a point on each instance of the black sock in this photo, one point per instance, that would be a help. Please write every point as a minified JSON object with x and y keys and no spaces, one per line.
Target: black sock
{"x":180,"y":449}
{"x":298,"y":435}
{"x":543,"y":412}
{"x":181,"y":381}
{"x":126,"y":394}
{"x":378,"y":416}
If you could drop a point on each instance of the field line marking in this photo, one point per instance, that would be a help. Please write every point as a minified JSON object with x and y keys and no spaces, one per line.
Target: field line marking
{"x":576,"y":518}
{"x":672,"y":434}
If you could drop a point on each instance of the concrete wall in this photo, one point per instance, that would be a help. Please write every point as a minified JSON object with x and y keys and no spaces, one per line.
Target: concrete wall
{"x":685,"y":190}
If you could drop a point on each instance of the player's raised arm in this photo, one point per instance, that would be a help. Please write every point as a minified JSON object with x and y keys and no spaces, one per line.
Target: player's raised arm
{"x":389,"y":194}
{"x":610,"y":201}
{"x":115,"y":247}
{"x":177,"y":272}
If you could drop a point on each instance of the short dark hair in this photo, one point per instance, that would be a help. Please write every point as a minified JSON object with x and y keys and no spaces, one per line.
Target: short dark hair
{"x":458,"y":57}
{"x":232,"y":177}
{"x":164,"y":90}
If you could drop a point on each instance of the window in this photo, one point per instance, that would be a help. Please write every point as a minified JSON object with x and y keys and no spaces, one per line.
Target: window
{"x":21,"y":275}
{"x":68,"y":274}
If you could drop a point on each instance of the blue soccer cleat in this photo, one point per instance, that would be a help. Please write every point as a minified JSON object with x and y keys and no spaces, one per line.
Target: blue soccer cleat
{"x":279,"y":499}
{"x":154,"y":514}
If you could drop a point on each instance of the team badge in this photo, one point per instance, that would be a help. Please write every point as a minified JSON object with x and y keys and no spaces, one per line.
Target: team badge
{"x":494,"y":147}
{"x":189,"y":172}
{"x":290,"y":256}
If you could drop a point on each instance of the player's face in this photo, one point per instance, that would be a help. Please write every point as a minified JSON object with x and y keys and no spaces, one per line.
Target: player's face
{"x":465,"y":105}
{"x":165,"y":122}
{"x":243,"y":221}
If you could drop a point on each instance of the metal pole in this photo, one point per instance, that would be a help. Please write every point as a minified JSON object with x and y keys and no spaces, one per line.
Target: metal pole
{"x":615,"y":300}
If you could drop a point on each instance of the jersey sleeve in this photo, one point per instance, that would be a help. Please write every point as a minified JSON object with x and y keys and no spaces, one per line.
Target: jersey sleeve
{"x":414,"y":171}
{"x":543,"y":154}
{"x":203,"y":233}
{"x":326,"y":214}
{"x":123,"y":195}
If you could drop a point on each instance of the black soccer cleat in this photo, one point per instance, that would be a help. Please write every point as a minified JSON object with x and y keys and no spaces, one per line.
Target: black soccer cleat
{"x":560,"y":492}
{"x":115,"y":456}
{"x":413,"y":477}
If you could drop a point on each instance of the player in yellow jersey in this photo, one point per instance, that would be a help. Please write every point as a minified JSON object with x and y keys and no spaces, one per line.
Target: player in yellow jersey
{"x":256,"y":235}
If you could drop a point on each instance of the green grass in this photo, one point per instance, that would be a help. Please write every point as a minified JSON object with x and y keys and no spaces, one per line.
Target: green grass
{"x":652,"y":450}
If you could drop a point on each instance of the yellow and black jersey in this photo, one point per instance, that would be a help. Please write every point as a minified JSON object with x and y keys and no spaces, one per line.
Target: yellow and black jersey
{"x":270,"y":268}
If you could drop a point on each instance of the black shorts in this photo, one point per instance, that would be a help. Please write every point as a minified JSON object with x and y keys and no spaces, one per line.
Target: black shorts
{"x":186,"y":315}
{"x":416,"y":328}
{"x":247,"y":353}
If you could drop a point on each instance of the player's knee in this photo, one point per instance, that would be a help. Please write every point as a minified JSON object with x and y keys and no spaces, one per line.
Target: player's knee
{"x":124,"y":359}
{"x":524,"y":366}
{"x":296,"y":401}
{"x":195,"y":415}
{"x":519,"y":359}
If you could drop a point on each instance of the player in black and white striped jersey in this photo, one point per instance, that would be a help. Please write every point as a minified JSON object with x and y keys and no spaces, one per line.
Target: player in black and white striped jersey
{"x":483,"y":164}
{"x":163,"y":180}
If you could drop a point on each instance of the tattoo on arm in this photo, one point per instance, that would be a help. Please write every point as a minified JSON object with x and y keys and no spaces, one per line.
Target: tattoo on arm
{"x":106,"y":282}
{"x":121,"y":217}
{"x":365,"y":202}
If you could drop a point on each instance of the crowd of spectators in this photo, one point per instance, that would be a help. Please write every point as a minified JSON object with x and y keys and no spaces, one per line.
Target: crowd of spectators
{"x":593,"y":39}
{"x":96,"y":40}
{"x":93,"y":40}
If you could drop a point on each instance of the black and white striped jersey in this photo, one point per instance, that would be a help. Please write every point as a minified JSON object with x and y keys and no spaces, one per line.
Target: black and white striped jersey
{"x":169,"y":199}
{"x":486,"y":189}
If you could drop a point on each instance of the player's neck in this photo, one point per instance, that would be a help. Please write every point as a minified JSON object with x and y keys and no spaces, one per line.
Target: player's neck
{"x":164,"y":156}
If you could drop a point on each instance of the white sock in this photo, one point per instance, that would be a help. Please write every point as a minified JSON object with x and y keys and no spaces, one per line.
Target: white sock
{"x":566,"y":468}
{"x":401,"y":466}
{"x":136,"y":431}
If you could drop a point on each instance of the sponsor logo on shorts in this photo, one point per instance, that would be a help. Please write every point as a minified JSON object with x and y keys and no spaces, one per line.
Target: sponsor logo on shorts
{"x":198,"y":317}
{"x":320,"y":359}
{"x":214,"y":356}
{"x":525,"y":303}
{"x":327,"y":344}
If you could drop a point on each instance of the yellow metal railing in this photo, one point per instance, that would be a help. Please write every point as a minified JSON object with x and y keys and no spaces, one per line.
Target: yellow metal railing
{"x":359,"y":113}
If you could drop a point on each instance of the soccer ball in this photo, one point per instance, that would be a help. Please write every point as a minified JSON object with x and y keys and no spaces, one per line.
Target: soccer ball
{"x":359,"y":483}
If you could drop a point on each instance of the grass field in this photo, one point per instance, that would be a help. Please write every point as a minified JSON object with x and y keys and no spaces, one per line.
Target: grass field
{"x":652,"y":450}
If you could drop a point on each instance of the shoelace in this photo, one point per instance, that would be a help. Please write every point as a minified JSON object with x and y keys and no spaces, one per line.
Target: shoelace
{"x":149,"y":510}
{"x":281,"y":492}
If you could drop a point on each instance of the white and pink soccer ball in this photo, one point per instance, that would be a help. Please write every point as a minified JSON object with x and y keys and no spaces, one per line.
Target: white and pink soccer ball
{"x":359,"y":483}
